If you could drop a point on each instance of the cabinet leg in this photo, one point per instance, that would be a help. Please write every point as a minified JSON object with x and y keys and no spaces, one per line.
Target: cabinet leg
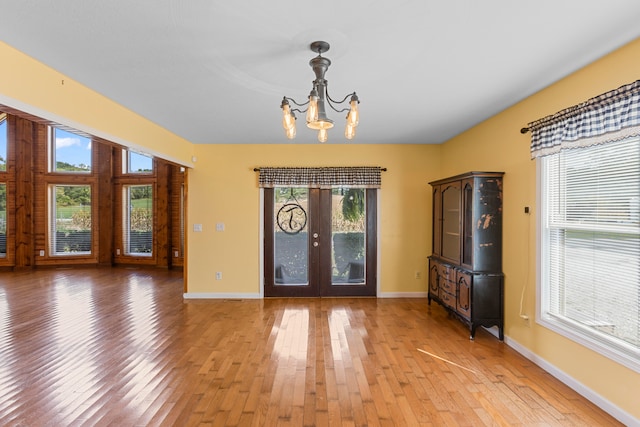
{"x":473,"y":333}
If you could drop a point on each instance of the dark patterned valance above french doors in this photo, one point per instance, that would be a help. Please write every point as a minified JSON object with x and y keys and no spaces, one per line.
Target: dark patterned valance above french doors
{"x":321,"y":177}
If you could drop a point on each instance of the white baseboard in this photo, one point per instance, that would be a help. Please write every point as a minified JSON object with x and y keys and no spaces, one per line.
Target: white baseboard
{"x":215,"y":295}
{"x":604,"y":404}
{"x":403,"y":295}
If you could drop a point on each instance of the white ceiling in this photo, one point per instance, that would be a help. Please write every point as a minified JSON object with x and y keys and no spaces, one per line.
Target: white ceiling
{"x":215,"y":71}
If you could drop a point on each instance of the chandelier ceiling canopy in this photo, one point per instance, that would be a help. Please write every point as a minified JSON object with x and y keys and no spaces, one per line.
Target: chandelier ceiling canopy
{"x":315,"y":107}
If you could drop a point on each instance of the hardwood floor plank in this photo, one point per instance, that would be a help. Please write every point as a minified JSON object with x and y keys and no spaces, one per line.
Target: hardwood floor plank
{"x":120,"y":347}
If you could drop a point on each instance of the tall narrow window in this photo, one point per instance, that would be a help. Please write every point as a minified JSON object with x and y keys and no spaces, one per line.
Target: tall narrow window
{"x":138,"y":220}
{"x":3,"y":220}
{"x":70,"y":153}
{"x":3,"y":141}
{"x":70,"y":219}
{"x":182,"y":218}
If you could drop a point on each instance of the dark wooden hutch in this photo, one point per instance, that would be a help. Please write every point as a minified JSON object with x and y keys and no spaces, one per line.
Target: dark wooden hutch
{"x":465,"y":268}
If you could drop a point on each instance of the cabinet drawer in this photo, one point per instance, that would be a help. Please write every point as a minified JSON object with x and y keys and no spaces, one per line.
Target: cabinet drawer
{"x":448,"y":286}
{"x":448,"y":299}
{"x":447,"y":273}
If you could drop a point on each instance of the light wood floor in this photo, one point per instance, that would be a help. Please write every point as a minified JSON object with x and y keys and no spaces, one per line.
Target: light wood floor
{"x":121,"y":347}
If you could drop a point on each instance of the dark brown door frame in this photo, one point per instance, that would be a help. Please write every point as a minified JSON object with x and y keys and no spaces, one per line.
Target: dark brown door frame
{"x":320,"y":280}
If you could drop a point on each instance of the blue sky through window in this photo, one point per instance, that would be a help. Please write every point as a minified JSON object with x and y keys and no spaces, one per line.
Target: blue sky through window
{"x":73,"y":149}
{"x":140,"y":162}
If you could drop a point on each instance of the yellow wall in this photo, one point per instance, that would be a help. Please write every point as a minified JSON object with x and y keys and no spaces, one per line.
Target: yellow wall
{"x":225,"y":189}
{"x":497,"y":144}
{"x":30,"y":86}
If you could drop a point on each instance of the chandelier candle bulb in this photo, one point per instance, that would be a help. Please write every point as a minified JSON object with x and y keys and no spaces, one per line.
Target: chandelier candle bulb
{"x":353,"y":117}
{"x":322,"y":135}
{"x":350,"y":131}
{"x":288,"y":119}
{"x":312,"y":111}
{"x":291,"y":132}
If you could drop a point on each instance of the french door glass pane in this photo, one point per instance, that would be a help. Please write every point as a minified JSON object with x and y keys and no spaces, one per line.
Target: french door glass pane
{"x":348,"y":226}
{"x":291,"y":236}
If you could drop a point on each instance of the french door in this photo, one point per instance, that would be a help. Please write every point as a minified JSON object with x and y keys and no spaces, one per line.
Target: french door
{"x":320,"y":242}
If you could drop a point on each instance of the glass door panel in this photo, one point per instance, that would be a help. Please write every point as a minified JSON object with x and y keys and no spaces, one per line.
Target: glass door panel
{"x":451,"y":222}
{"x":348,"y":236}
{"x":291,"y":236}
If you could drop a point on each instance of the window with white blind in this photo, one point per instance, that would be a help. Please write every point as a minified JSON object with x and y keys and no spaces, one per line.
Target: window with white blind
{"x":70,"y":220}
{"x":3,"y":186}
{"x":3,"y":220}
{"x":590,"y":247}
{"x":138,"y":220}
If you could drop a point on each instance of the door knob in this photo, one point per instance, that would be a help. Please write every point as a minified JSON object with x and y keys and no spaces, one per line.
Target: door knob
{"x":315,"y":244}
{"x":315,"y":235}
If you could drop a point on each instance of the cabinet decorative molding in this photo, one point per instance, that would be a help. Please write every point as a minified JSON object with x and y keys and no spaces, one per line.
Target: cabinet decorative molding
{"x":465,"y":267}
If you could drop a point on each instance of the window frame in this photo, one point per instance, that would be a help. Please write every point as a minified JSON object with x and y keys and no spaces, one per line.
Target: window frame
{"x":126,"y":163}
{"x":52,"y":218}
{"x":3,"y":255}
{"x":4,"y":155}
{"x":126,"y":221}
{"x":614,"y":349}
{"x":52,"y":152}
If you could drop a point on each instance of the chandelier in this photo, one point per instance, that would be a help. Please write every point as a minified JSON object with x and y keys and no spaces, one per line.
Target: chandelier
{"x":319,"y":97}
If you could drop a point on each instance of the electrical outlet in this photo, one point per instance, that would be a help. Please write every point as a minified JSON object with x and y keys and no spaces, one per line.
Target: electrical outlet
{"x":218,"y":275}
{"x":42,"y":253}
{"x":526,"y":320}
{"x":418,"y":275}
{"x":176,"y":254}
{"x":117,"y":251}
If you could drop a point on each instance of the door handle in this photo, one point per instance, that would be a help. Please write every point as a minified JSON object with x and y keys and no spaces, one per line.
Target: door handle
{"x":315,"y":244}
{"x":315,"y":235}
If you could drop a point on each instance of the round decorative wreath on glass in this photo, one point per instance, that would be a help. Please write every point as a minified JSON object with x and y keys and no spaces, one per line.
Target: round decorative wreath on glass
{"x":291,"y":218}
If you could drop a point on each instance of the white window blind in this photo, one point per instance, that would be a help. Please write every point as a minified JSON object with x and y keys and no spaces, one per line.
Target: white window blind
{"x":3,"y":220}
{"x":591,"y":247}
{"x":70,"y":231}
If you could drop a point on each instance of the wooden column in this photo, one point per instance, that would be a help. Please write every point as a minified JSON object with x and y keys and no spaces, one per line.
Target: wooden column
{"x":105,"y":214}
{"x":25,"y":133}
